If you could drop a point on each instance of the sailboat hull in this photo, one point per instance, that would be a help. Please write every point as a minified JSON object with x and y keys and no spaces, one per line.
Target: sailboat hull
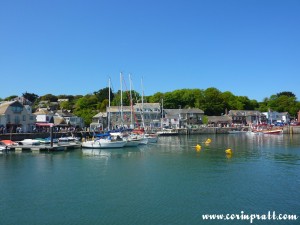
{"x":103,"y":144}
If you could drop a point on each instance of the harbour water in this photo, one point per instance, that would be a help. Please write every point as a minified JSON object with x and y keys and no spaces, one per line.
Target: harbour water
{"x":164,"y":183}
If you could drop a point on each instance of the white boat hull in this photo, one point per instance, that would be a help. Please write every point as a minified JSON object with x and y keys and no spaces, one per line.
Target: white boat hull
{"x":167,"y":132}
{"x":103,"y":144}
{"x":30,"y":142}
{"x":144,"y":141}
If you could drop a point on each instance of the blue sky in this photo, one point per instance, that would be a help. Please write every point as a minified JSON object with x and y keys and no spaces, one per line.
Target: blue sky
{"x":248,"y":47}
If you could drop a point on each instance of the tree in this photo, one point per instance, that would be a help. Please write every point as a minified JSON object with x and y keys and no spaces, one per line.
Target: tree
{"x":103,"y":94}
{"x":286,"y":93}
{"x":87,"y":102}
{"x":66,"y":105}
{"x":157,"y":97}
{"x":126,"y":98}
{"x":170,"y":101}
{"x":49,"y":97}
{"x":86,"y":115}
{"x":213,"y":102}
{"x":10,"y":97}
{"x":281,"y":103}
{"x":103,"y":105}
{"x":86,"y":107}
{"x":30,"y":96}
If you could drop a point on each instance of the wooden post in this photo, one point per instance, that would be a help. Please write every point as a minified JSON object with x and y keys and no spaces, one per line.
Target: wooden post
{"x":51,"y":136}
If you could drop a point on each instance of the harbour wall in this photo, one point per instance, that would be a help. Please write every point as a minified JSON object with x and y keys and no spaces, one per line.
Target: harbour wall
{"x":182,"y":131}
{"x":291,"y":130}
{"x":225,"y":130}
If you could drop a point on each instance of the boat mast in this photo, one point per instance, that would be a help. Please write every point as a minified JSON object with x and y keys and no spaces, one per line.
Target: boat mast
{"x":162,"y":113}
{"x":108,"y":127}
{"x":131,"y":103}
{"x":121,"y":79}
{"x":142,"y":113}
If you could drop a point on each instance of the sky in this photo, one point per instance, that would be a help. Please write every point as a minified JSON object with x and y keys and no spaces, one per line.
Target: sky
{"x":248,"y":47}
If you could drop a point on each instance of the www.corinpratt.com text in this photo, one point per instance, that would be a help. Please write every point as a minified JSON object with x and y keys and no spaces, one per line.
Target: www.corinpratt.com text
{"x":251,"y":217}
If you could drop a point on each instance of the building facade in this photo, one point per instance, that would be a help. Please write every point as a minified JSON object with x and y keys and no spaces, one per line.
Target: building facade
{"x":182,"y":118}
{"x":247,"y":117}
{"x":145,"y":115}
{"x":16,"y":117}
{"x":70,"y":118}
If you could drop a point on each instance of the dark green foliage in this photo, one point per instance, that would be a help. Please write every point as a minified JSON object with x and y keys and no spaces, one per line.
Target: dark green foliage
{"x":286,"y":93}
{"x":10,"y":97}
{"x":49,"y":97}
{"x":30,"y":96}
{"x":103,"y":94}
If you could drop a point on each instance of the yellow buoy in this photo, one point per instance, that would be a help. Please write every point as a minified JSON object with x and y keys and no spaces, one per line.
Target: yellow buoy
{"x":228,"y":151}
{"x":208,"y":141}
{"x":198,"y":148}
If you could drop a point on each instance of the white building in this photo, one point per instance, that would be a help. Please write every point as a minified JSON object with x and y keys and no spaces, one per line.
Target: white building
{"x":70,"y":118}
{"x":273,"y":117}
{"x":16,"y":117}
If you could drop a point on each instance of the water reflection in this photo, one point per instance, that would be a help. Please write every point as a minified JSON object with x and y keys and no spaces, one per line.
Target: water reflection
{"x":112,"y":153}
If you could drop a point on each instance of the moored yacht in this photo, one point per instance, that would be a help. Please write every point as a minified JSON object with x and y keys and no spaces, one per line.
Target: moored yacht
{"x":104,"y":141}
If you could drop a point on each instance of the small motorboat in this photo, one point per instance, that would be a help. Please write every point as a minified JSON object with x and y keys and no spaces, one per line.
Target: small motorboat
{"x":29,"y":142}
{"x":9,"y":142}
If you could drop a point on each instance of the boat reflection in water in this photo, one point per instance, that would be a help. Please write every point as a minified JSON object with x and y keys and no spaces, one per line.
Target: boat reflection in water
{"x":112,"y":153}
{"x":95,"y":152}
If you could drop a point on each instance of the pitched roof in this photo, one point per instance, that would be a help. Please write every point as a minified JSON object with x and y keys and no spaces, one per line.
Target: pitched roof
{"x":183,"y":111}
{"x":244,"y":112}
{"x":147,"y":105}
{"x":100,"y":114}
{"x":118,"y":109}
{"x":218,"y":119}
{"x":59,"y":121}
{"x":42,"y":112}
{"x":5,"y":105}
{"x":63,"y":113}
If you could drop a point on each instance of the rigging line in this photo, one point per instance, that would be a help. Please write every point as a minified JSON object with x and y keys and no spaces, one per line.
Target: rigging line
{"x":131,"y":103}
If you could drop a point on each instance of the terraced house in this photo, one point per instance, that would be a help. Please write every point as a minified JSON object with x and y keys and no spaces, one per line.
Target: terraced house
{"x":147,"y":115}
{"x":16,"y":117}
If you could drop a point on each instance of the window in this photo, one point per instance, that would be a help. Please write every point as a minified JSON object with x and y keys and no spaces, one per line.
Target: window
{"x":16,"y":109}
{"x":17,"y":119}
{"x":24,"y":117}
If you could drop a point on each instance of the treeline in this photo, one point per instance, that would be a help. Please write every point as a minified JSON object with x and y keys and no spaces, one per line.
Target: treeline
{"x":212,"y":101}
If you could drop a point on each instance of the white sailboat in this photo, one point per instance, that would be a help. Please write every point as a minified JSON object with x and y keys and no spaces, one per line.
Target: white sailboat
{"x":105,"y":140}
